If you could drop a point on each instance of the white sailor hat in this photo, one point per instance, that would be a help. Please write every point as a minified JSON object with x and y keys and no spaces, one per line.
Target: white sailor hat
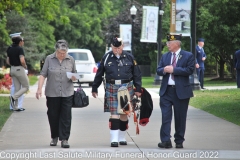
{"x":15,"y":35}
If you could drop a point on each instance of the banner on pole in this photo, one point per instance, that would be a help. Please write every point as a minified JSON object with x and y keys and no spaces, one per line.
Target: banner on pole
{"x":180,"y":17}
{"x":149,"y":24}
{"x":126,"y":35}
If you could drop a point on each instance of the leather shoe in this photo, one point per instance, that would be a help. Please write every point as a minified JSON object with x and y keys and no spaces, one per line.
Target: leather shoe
{"x":179,"y":145}
{"x":123,"y":142}
{"x":54,"y":141}
{"x":167,"y":144}
{"x":114,"y":144}
{"x":65,"y":144}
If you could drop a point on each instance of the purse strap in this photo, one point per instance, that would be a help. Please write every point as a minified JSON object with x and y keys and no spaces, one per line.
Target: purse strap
{"x":79,"y":84}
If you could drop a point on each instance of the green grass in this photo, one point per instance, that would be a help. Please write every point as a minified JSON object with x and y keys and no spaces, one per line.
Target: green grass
{"x":32,"y":79}
{"x":4,"y":110}
{"x":148,"y":82}
{"x":4,"y":104}
{"x":221,"y":103}
{"x":219,"y":82}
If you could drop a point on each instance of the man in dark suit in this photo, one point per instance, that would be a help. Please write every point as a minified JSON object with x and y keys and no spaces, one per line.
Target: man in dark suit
{"x":237,"y":66}
{"x":175,"y":66}
{"x":200,"y":58}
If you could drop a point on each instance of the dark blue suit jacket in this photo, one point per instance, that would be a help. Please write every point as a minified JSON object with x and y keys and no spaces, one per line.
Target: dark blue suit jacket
{"x":185,"y":67}
{"x":237,"y":60}
{"x":199,"y":54}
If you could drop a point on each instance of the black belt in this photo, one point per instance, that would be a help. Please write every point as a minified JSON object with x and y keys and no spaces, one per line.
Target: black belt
{"x":113,"y":81}
{"x":15,"y":66}
{"x":173,"y":86}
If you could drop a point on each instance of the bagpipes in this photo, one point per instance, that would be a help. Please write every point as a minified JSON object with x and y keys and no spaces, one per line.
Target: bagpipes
{"x":140,"y":107}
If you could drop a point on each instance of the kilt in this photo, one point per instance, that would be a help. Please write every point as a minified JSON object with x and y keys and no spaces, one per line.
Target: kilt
{"x":110,"y":98}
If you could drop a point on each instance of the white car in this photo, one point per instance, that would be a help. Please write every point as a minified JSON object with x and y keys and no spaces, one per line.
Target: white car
{"x":85,"y":64}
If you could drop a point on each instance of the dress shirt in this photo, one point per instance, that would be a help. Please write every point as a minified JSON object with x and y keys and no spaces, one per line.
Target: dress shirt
{"x":170,"y":81}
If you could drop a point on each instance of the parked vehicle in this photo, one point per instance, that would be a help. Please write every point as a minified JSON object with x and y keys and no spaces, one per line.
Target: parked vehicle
{"x":85,"y":64}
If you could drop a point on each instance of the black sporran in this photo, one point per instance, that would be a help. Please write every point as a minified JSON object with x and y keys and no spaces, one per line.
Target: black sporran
{"x":80,"y":99}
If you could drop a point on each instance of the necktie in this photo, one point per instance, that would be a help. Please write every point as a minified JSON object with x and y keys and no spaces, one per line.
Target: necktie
{"x":173,"y":64}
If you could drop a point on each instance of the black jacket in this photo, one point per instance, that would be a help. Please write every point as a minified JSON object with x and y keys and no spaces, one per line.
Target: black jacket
{"x":124,"y":68}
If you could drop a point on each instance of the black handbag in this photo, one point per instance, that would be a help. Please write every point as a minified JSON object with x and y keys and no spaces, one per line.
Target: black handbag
{"x":80,"y":99}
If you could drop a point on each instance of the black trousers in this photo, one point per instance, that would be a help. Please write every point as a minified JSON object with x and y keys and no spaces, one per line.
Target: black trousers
{"x":170,"y":103}
{"x":60,"y":116}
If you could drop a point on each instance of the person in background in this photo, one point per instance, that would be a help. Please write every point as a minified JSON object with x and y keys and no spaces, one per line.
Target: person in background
{"x":200,"y":58}
{"x":237,"y":66}
{"x":59,"y":92}
{"x":20,"y":99}
{"x":41,"y":64}
{"x":175,"y":66}
{"x":120,"y":69}
{"x":15,"y":58}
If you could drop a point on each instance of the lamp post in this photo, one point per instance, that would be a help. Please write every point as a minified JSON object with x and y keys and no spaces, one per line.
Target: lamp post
{"x":133,"y":12}
{"x":157,"y":79}
{"x":194,"y":78}
{"x":232,"y":65}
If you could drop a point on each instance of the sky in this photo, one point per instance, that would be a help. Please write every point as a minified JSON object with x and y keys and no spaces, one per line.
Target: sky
{"x":183,"y":4}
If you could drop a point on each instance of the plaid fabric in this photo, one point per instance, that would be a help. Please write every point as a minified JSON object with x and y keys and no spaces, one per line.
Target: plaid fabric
{"x":110,"y":98}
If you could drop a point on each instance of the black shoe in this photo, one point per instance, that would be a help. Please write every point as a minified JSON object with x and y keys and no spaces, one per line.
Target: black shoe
{"x":167,"y":144}
{"x":179,"y":145}
{"x":54,"y":141}
{"x":123,"y":142}
{"x":114,"y":144}
{"x":65,"y":144}
{"x":203,"y":88}
{"x":12,"y":101}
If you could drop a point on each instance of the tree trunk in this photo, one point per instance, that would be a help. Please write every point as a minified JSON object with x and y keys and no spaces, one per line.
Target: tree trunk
{"x":1,"y":62}
{"x":221,"y":72}
{"x":232,"y":68}
{"x":217,"y":73}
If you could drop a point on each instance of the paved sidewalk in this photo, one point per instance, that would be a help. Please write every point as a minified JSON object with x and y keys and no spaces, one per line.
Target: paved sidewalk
{"x":26,"y":135}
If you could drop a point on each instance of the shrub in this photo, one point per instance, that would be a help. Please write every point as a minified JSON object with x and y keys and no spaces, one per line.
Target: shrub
{"x":6,"y":82}
{"x":4,"y":70}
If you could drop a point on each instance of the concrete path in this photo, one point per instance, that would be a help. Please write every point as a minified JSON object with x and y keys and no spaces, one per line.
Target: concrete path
{"x":26,"y":135}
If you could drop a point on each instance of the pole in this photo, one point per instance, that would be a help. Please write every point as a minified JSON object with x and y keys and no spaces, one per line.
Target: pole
{"x":194,"y":78}
{"x":132,"y":45}
{"x":157,"y":79}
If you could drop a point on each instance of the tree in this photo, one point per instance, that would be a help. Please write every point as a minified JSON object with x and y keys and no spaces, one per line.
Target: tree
{"x":85,"y":27}
{"x":34,"y":25}
{"x":5,"y":7}
{"x":142,"y":50}
{"x":219,"y":23}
